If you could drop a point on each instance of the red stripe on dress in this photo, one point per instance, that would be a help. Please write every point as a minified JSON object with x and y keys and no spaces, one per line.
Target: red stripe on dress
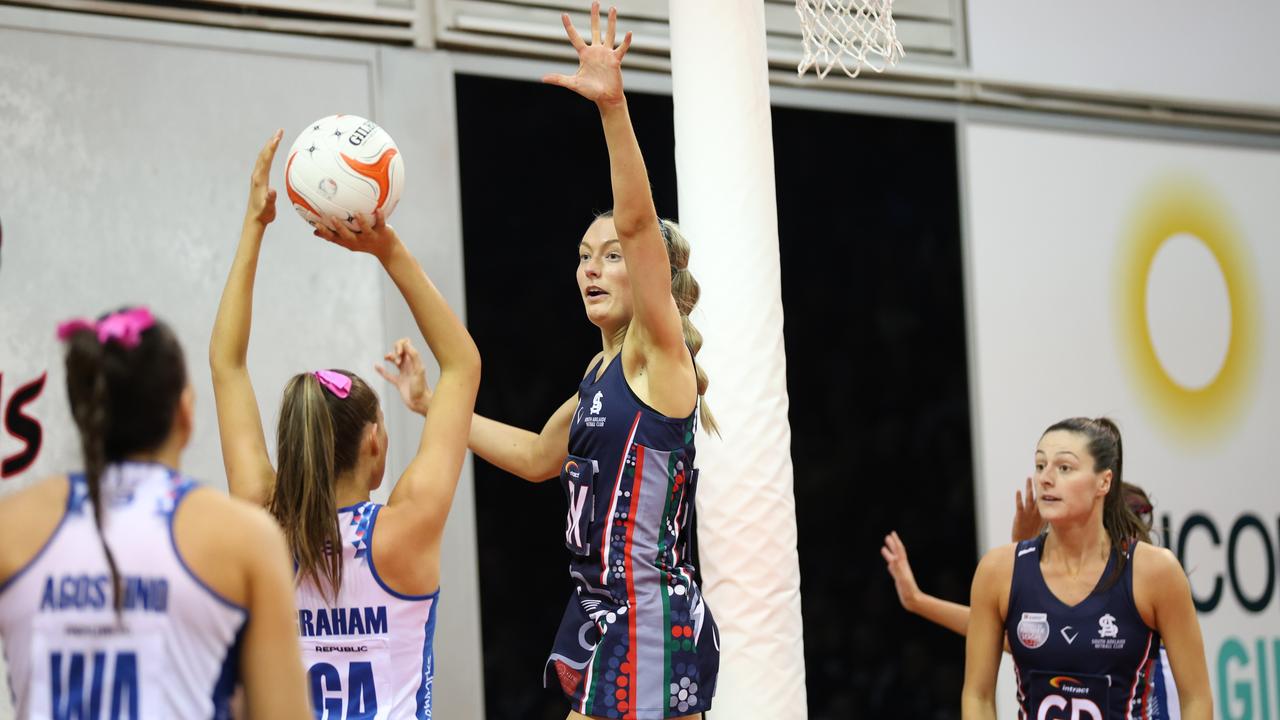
{"x":632,"y":620}
{"x":607,"y":538}
{"x":1137,"y":674}
{"x":1148,"y":669}
{"x":1017,"y":679}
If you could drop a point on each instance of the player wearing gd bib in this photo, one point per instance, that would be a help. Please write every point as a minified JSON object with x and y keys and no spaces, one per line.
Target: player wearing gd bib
{"x":127,"y":591}
{"x":1160,"y":704}
{"x":1084,"y":607}
{"x":366,"y":613}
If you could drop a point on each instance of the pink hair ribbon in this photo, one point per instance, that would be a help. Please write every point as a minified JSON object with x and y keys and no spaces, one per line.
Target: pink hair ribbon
{"x":334,"y":382}
{"x":125,"y":327}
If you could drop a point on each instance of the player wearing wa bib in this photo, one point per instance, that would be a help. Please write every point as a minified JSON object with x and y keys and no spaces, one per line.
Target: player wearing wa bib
{"x":637,"y":640}
{"x":369,"y":653}
{"x":1096,"y":660}
{"x":172,"y":654}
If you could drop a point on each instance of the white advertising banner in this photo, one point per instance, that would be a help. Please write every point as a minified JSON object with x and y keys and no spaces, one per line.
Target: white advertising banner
{"x":1197,"y":52}
{"x":1129,"y":278}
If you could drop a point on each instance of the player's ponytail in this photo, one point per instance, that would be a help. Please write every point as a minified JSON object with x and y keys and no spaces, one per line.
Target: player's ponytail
{"x":1123,"y":526}
{"x":686,"y":291}
{"x":318,"y":437}
{"x":1140,"y":503}
{"x":87,"y":388}
{"x":124,"y":392}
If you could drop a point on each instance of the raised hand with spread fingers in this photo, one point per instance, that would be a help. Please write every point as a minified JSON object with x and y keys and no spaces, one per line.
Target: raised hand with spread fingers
{"x":599,"y":76}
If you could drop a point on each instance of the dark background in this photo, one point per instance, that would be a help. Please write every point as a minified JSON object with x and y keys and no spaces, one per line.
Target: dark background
{"x":872,"y":287}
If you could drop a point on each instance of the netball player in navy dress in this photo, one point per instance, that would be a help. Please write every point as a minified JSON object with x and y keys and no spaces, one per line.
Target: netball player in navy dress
{"x":127,"y":590}
{"x":1084,"y":608}
{"x":636,"y":641}
{"x":1026,"y":526}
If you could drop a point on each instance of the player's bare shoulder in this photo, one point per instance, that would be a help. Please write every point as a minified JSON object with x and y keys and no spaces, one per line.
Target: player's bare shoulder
{"x":28,"y":518}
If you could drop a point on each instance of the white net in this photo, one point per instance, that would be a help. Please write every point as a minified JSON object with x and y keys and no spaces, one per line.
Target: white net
{"x":850,"y":33}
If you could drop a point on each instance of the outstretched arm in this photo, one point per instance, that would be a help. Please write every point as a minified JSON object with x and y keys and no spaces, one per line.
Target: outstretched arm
{"x":244,"y":445}
{"x":427,"y":486}
{"x":533,"y":456}
{"x":599,"y":79}
{"x":950,"y":615}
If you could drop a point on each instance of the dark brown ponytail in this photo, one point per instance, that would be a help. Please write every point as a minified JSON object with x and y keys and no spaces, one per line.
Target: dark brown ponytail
{"x":124,"y":400}
{"x":1123,"y":526}
{"x":87,"y":386}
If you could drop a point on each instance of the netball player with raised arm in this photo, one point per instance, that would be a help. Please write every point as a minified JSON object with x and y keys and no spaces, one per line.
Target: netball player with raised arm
{"x":950,"y":615}
{"x":1026,"y":526}
{"x":366,"y":614}
{"x":1084,"y":606}
{"x":636,"y":641}
{"x":127,"y":590}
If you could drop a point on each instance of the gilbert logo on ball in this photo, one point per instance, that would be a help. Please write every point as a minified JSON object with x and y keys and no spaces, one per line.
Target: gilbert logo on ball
{"x":343,"y":165}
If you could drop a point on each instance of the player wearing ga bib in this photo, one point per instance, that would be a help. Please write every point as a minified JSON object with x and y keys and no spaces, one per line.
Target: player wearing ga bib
{"x":366,"y":646}
{"x":368,"y":654}
{"x":1096,"y":660}
{"x":174,"y":651}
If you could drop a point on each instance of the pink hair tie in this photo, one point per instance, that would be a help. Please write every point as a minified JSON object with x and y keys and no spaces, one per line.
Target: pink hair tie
{"x":124,"y":327}
{"x":334,"y":382}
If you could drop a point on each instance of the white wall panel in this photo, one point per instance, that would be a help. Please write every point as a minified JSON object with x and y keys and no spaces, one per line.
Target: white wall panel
{"x":1209,"y":52}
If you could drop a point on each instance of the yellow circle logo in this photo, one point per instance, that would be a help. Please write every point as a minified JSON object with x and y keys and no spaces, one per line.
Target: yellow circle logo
{"x":1202,"y":411}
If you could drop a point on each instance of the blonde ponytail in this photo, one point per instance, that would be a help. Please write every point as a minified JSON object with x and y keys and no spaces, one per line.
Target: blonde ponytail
{"x":686,"y":291}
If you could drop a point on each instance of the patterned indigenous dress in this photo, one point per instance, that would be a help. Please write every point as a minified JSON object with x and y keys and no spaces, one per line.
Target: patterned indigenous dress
{"x":637,"y":641}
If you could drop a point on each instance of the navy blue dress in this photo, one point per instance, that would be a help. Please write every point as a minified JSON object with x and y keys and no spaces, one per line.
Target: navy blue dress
{"x":637,"y":641}
{"x":1095,"y":660}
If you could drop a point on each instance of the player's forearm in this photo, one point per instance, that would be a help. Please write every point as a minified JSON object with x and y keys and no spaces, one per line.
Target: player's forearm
{"x":515,"y":450}
{"x":632,"y":196}
{"x":229,"y":341}
{"x":1196,"y":707}
{"x":974,"y":706}
{"x":950,"y":615}
{"x":445,"y":334}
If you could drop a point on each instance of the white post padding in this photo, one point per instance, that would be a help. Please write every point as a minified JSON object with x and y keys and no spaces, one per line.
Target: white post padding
{"x":746,"y":508}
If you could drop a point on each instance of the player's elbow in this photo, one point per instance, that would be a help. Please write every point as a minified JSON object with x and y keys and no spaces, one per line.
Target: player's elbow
{"x":222,"y":360}
{"x":632,"y":222}
{"x":541,"y":463}
{"x":977,"y":701}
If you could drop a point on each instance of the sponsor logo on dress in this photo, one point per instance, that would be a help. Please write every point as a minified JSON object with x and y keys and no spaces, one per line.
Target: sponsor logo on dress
{"x":1069,"y":686}
{"x":1069,"y":635}
{"x":595,"y":419}
{"x":1033,"y":630}
{"x":1108,"y":633}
